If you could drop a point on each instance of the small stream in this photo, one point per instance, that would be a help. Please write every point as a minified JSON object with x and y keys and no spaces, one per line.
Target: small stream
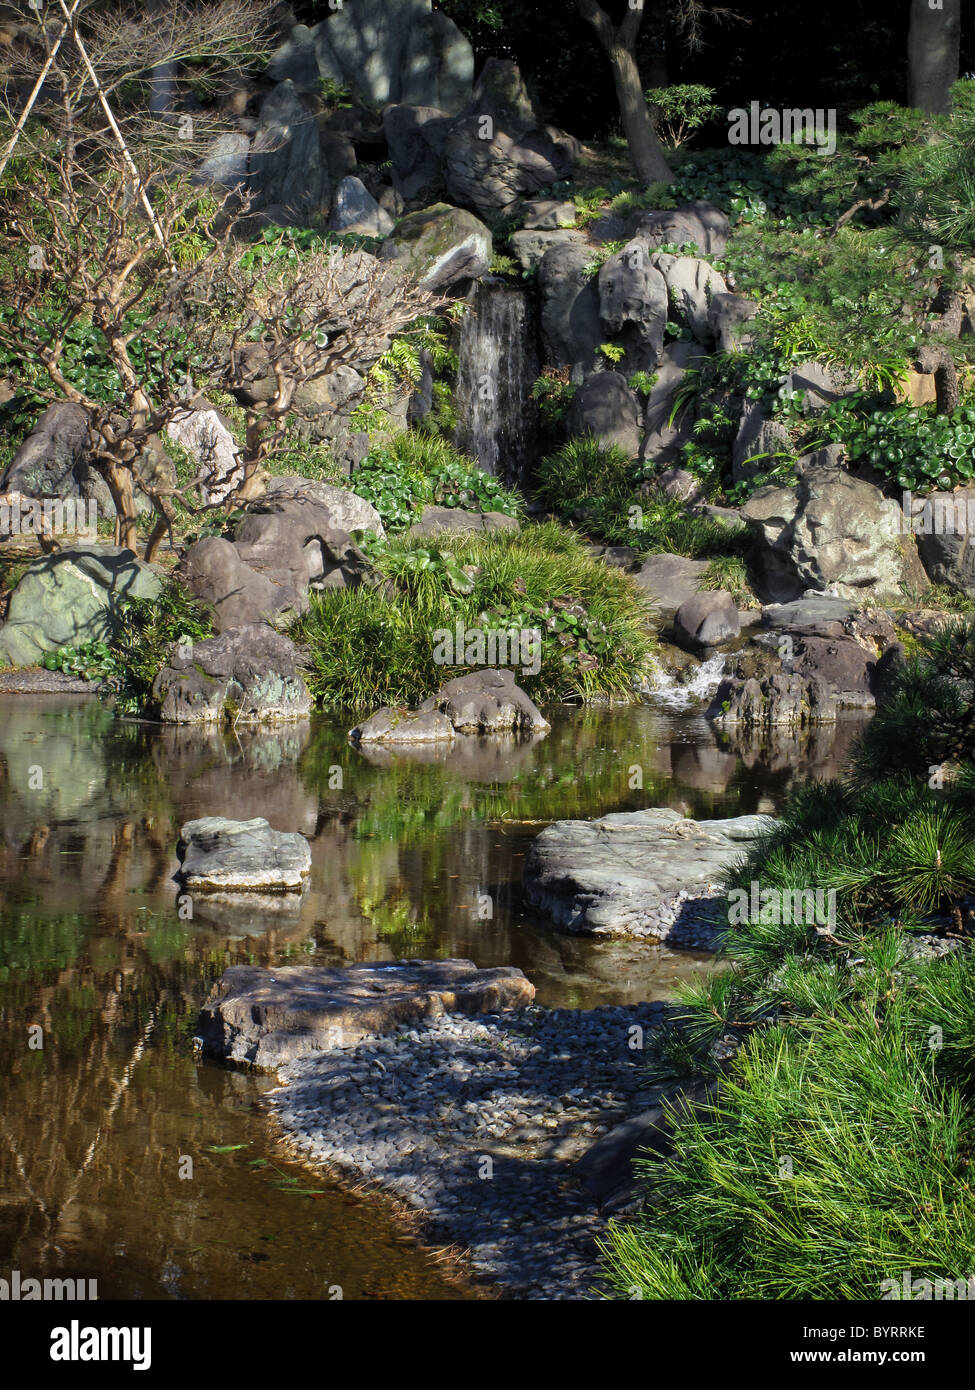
{"x":97,"y":1124}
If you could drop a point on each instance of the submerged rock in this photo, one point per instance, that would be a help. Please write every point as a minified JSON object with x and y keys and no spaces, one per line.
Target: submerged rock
{"x":241,"y":856}
{"x":251,"y":673}
{"x":481,"y":702}
{"x":270,"y":1017}
{"x":650,"y":873}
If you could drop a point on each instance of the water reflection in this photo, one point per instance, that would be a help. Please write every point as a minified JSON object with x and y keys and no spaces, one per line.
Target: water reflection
{"x":407,"y":852}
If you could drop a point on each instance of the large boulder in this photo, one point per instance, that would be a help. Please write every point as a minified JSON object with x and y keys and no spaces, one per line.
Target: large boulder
{"x":945,"y":531}
{"x":286,"y":170}
{"x":708,"y":619}
{"x":435,"y":520}
{"x":529,"y":246}
{"x":386,"y":50}
{"x":270,"y":1017}
{"x":691,"y":285}
{"x":817,"y":386}
{"x":347,"y":511}
{"x":415,"y":136}
{"x":633,"y":303}
{"x":605,"y":407}
{"x":250,"y":674}
{"x":648,"y":874}
{"x":204,"y":433}
{"x":727,"y":316}
{"x":500,"y":148}
{"x":664,"y":434}
{"x":670,"y":580}
{"x":69,"y":598}
{"x":218,"y":855}
{"x":831,"y":532}
{"x":440,"y":246}
{"x":571,"y":326}
{"x":773,"y":701}
{"x":486,"y":702}
{"x":758,"y":443}
{"x":355,"y":210}
{"x":294,"y":546}
{"x":407,"y":727}
{"x":696,"y":224}
{"x":48,"y":462}
{"x":213,"y":571}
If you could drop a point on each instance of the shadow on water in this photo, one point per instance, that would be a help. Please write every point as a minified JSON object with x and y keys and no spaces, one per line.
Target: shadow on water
{"x":411,"y":858}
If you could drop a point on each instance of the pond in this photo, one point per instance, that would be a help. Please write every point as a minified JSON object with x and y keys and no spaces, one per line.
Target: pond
{"x":101,"y":977}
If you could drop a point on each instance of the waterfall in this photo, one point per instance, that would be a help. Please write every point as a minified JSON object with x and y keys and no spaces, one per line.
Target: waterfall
{"x":498,"y":362}
{"x":685,"y":690}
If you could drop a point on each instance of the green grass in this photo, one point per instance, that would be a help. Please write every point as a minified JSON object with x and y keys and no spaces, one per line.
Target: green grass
{"x":369,"y":647}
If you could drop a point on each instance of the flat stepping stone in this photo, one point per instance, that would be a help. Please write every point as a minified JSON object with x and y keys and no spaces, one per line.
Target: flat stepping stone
{"x":269,"y":1017}
{"x":638,"y":873}
{"x":241,"y":856}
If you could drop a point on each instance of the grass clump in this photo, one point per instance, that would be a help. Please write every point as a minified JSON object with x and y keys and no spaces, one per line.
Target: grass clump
{"x":371,"y":646}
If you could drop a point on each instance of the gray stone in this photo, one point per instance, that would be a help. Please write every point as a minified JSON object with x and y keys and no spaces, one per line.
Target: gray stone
{"x":434,"y":520}
{"x":819,"y":386}
{"x":727,"y":315}
{"x":633,"y":304}
{"x":548,"y":214}
{"x":270,"y":1017}
{"x":346,"y":510}
{"x":945,"y":533}
{"x":218,"y":855}
{"x":486,"y":702}
{"x":831,"y":532}
{"x":47,"y":463}
{"x":71,"y":597}
{"x":757,"y":443}
{"x":226,"y":161}
{"x":697,"y":223}
{"x":396,"y":726}
{"x":691,"y":283}
{"x":285,"y":163}
{"x":662,"y":439}
{"x":528,"y":247}
{"x":709,"y":619}
{"x":213,"y":571}
{"x":670,"y":580}
{"x":440,"y":246}
{"x":571,"y":327}
{"x":605,"y":407}
{"x":354,"y":209}
{"x":415,"y":136}
{"x":204,"y":434}
{"x":777,"y":700}
{"x":639,"y":873}
{"x":823,"y":615}
{"x":250,"y":674}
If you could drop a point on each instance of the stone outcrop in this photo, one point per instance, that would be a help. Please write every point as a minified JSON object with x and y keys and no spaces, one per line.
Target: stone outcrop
{"x":250,"y":674}
{"x":670,"y":580}
{"x":708,"y":619}
{"x":482,"y":702}
{"x":270,"y":1017}
{"x":649,"y":874}
{"x":441,"y":246}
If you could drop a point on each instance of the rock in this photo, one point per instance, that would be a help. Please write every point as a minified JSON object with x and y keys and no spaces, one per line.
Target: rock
{"x":571,"y":327}
{"x":709,"y":619}
{"x":440,"y":246}
{"x":528,"y":247}
{"x":670,"y":580}
{"x":678,"y":484}
{"x":270,"y":1017}
{"x":727,"y":314}
{"x":71,"y":597}
{"x":435,"y":520}
{"x":840,"y":664}
{"x":831,"y":532}
{"x":389,"y":51}
{"x":757,"y":443}
{"x":389,"y":725}
{"x":697,"y":223}
{"x":213,"y":571}
{"x":415,"y":136}
{"x":241,"y":856}
{"x":226,"y":161}
{"x":824,"y":616}
{"x":638,"y":873}
{"x":604,"y":406}
{"x":346,"y":510}
{"x":624,"y":557}
{"x":203,"y":433}
{"x":294,"y":546}
{"x":633,"y":303}
{"x":945,"y":536}
{"x":547,"y":214}
{"x":691,"y":283}
{"x":47,"y":464}
{"x":486,"y":702}
{"x":285,"y":164}
{"x":917,"y":389}
{"x":818,"y":385}
{"x":775,"y":700}
{"x":250,"y":674}
{"x":499,"y":148}
{"x":354,"y":209}
{"x":662,"y":440}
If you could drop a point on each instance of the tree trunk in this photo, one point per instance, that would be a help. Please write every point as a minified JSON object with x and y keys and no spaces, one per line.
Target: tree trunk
{"x":123,"y":495}
{"x":933,"y":43}
{"x":646,"y":153}
{"x":619,"y":45}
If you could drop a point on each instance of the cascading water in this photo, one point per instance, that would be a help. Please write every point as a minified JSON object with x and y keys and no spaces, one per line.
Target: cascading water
{"x":684,"y":691}
{"x":498,"y":362}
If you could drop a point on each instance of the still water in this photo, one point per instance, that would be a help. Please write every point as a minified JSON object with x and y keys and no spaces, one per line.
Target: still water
{"x":97,"y":1124}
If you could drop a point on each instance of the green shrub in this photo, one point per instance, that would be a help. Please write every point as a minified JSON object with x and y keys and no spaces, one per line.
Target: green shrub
{"x":416,"y":468}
